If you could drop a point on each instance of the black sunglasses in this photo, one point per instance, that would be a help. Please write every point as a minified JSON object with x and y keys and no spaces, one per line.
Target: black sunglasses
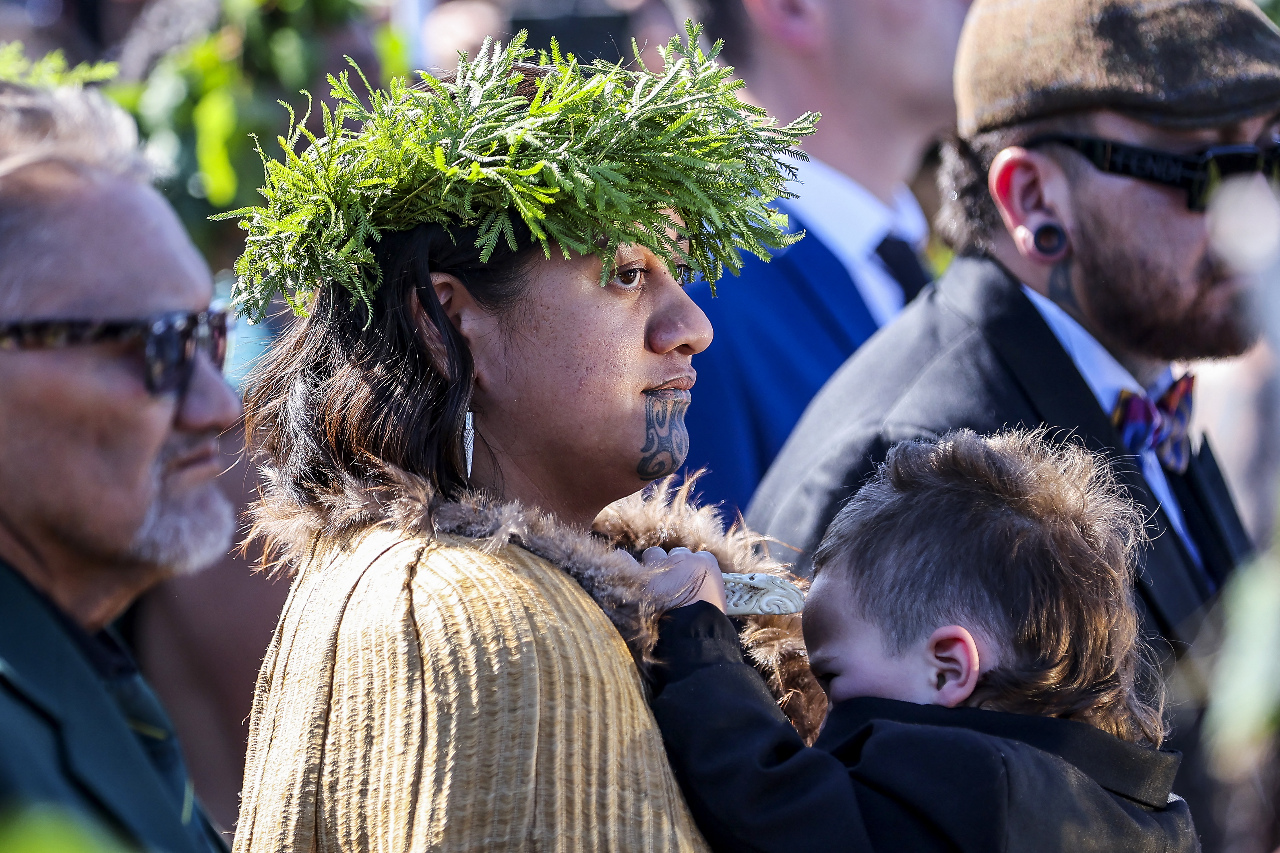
{"x":170,"y":341}
{"x":1198,"y":174}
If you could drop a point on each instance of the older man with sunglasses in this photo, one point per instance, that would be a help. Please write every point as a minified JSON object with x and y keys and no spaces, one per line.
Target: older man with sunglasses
{"x":1092,"y":134}
{"x":111,"y":403}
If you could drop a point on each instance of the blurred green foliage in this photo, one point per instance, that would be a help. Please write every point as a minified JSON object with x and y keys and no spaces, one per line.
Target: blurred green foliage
{"x":1272,"y":8}
{"x":1244,"y":711}
{"x":50,"y":70}
{"x":201,"y":104}
{"x":45,"y":829}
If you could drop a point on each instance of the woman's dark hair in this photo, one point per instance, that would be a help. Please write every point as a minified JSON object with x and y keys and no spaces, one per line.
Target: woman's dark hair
{"x":352,"y":392}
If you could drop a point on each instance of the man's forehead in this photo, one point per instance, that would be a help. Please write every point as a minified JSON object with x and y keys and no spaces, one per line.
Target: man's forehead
{"x":102,"y":247}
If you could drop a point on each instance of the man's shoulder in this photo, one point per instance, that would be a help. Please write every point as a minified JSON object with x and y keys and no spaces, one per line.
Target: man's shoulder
{"x":931,"y":362}
{"x":40,"y":667}
{"x":753,"y":283}
{"x":931,"y":370}
{"x":994,"y":792}
{"x":939,"y":366}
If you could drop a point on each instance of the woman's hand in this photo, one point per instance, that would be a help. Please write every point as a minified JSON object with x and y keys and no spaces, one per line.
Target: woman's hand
{"x":682,"y":569}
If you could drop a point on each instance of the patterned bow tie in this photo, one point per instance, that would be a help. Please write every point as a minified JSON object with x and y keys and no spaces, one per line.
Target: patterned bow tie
{"x":1161,"y":426}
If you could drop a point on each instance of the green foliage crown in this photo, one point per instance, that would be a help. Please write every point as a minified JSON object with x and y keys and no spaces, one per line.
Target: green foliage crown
{"x":594,"y":159}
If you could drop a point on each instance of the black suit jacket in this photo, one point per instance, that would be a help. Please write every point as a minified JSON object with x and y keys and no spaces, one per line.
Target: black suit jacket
{"x":893,"y":776}
{"x":974,"y":352}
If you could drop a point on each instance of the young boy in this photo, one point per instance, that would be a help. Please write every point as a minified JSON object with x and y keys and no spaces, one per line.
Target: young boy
{"x":973,"y":623}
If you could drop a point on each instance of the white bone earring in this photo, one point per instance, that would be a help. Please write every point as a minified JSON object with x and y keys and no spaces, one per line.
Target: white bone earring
{"x":469,"y":442}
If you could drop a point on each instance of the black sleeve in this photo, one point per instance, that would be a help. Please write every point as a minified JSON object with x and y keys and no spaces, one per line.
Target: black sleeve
{"x":751,"y":783}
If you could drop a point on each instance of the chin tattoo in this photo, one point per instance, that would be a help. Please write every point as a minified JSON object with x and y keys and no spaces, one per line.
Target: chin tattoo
{"x":666,"y":441}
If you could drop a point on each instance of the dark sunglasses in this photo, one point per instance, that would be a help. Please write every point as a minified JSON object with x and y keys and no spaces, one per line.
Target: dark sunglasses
{"x":1198,"y":174}
{"x":170,"y":341}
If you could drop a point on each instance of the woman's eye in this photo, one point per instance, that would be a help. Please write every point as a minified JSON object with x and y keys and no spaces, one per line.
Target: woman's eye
{"x":630,"y":278}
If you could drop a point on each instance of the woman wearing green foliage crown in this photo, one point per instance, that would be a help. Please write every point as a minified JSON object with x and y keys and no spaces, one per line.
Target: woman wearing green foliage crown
{"x":493,"y":359}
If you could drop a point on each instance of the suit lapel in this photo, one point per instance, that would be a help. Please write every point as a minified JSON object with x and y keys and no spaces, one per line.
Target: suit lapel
{"x":42,"y":663}
{"x":980,"y":290}
{"x":1210,"y":515}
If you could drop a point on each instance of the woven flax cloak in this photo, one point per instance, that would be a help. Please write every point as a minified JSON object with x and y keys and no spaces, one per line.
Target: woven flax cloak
{"x":460,"y":692}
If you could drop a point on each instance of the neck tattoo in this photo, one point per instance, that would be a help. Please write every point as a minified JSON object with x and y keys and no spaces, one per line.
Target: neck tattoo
{"x":1060,"y":291}
{"x":666,"y":442}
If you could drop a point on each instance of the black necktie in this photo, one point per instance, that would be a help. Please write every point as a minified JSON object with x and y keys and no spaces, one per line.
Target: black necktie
{"x":904,"y":265}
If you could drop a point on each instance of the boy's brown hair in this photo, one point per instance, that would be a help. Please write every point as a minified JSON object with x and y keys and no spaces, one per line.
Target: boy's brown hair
{"x":1026,"y":542}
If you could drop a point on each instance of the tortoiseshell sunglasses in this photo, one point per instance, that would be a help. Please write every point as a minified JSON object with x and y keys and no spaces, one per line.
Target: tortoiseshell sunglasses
{"x":170,"y":341}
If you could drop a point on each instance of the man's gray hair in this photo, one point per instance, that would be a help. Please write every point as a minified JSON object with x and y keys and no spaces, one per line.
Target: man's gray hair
{"x":75,"y":128}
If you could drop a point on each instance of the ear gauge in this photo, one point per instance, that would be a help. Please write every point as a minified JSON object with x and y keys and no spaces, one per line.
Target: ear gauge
{"x":1050,"y":240}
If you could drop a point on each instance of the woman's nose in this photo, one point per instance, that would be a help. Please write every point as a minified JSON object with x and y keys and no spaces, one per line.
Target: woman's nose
{"x":679,"y":324}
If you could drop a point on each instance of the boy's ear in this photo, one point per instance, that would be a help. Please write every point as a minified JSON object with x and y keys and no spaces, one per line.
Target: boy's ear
{"x":952,"y":657}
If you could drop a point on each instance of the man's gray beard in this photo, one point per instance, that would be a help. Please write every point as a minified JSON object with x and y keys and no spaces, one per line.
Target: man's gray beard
{"x":187,"y":533}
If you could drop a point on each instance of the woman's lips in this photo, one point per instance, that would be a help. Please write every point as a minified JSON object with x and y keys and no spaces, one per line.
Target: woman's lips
{"x":674,"y":389}
{"x":678,"y":383}
{"x":669,"y":394}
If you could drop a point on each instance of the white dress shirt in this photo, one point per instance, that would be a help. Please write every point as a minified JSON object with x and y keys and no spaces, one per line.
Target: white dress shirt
{"x":1106,"y":377}
{"x":852,"y":222}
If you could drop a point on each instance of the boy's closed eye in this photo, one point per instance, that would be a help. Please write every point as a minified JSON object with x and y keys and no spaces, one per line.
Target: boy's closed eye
{"x":823,"y":677}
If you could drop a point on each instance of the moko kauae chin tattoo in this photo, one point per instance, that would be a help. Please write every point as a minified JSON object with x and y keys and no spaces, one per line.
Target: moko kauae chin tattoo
{"x":666,"y":441}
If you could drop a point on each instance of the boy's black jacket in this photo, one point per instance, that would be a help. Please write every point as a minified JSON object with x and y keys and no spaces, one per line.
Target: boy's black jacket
{"x":894,"y":776}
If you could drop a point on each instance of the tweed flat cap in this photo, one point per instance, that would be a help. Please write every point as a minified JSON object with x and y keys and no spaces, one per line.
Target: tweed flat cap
{"x":1183,"y":63}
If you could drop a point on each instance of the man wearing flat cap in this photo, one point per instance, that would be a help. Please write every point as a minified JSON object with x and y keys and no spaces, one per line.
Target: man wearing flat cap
{"x":1092,"y":135}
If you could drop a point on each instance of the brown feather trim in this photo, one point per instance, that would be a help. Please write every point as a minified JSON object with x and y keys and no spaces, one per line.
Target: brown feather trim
{"x":600,"y":561}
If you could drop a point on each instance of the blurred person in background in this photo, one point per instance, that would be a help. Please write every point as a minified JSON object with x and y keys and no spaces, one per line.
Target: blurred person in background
{"x":200,"y":638}
{"x":879,"y":72}
{"x":1243,"y":691}
{"x":1086,"y":271}
{"x":461,"y":26}
{"x":113,"y":401}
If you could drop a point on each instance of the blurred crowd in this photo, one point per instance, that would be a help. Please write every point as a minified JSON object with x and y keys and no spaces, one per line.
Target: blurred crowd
{"x":199,"y":77}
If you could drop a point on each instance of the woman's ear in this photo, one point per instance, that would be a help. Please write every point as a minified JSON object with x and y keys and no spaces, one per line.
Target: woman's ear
{"x":463,"y":312}
{"x":458,"y":307}
{"x":952,"y":657}
{"x":453,"y":297}
{"x":469,"y":318}
{"x":1031,"y":192}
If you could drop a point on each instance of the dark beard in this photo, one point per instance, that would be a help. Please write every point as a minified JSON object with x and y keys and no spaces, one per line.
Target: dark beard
{"x":1131,"y":304}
